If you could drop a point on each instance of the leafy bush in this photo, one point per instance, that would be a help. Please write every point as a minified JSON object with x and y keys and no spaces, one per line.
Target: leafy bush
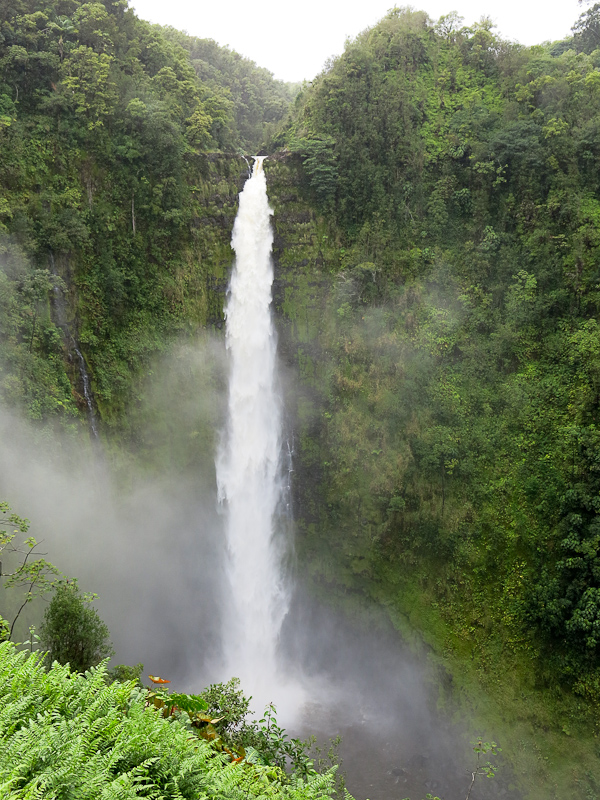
{"x":34,"y":575}
{"x":72,"y":632}
{"x":226,"y":725}
{"x":71,"y":735}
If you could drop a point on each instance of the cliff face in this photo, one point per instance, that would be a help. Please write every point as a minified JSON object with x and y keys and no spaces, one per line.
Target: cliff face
{"x":436,"y":296}
{"x":108,"y":195}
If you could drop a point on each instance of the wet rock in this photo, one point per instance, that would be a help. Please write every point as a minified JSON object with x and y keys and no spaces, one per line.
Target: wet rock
{"x":419,"y":761}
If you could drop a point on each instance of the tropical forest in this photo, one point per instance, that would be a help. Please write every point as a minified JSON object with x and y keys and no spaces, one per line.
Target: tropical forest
{"x":433,"y":242}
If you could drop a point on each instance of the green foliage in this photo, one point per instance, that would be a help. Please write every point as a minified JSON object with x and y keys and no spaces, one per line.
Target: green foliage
{"x":72,"y":632}
{"x":227,"y":711}
{"x":566,"y":601}
{"x":276,"y":748}
{"x":253,"y":98}
{"x":106,"y":126}
{"x":125,"y":673}
{"x":32,"y":371}
{"x":170,"y":702}
{"x":21,"y":568}
{"x":481,"y":748}
{"x":60,"y":731}
{"x":444,"y":311}
{"x":455,"y":397}
{"x":228,"y":703}
{"x":319,"y":161}
{"x":219,"y":715}
{"x":587,"y":30}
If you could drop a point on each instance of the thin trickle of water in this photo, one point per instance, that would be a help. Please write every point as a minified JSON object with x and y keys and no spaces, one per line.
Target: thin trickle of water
{"x":288,"y":471}
{"x":60,"y":312}
{"x":249,"y":462}
{"x":248,"y":166}
{"x":87,"y":391}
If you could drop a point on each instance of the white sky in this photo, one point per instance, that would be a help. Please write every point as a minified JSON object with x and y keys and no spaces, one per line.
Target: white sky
{"x":294,"y":39}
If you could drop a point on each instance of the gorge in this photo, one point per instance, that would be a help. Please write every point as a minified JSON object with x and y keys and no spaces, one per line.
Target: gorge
{"x":436,"y":199}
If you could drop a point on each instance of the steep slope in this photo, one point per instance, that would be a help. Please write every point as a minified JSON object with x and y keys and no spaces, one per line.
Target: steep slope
{"x":111,"y":210}
{"x":456,"y":422}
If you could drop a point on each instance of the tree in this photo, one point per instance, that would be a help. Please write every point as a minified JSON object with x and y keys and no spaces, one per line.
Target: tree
{"x":72,"y":632}
{"x":319,"y":160}
{"x":587,"y":30}
{"x":35,"y":575}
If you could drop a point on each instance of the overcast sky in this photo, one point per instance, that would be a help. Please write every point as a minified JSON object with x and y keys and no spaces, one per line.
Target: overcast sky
{"x":293,"y":40}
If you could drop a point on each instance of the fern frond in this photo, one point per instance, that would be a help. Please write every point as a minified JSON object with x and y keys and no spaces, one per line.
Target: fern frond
{"x":66,"y":735}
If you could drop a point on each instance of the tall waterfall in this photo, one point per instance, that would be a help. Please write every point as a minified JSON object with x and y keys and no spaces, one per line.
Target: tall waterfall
{"x":249,"y":459}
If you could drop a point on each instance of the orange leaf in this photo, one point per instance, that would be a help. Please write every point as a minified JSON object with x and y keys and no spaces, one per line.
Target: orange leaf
{"x":156,"y":679}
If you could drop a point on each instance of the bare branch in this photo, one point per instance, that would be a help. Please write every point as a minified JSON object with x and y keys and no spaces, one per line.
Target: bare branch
{"x":28,"y":597}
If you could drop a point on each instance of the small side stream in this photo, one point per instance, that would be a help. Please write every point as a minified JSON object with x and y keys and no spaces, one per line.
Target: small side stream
{"x":59,"y":306}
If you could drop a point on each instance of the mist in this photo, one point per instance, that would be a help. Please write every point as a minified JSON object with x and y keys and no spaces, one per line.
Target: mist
{"x":139,"y":525}
{"x":132,"y":527}
{"x":403,"y":733}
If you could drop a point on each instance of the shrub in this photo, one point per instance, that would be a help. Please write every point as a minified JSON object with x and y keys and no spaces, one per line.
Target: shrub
{"x":72,"y":632}
{"x":73,"y":735}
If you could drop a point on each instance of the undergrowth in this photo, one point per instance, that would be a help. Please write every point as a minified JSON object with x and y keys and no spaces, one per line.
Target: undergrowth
{"x":67,"y":735}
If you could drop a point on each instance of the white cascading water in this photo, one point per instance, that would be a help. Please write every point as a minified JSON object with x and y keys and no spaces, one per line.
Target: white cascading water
{"x":249,"y":460}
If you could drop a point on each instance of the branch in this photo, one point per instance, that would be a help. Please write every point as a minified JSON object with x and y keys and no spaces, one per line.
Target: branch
{"x":28,"y":597}
{"x":473,"y":776}
{"x":26,"y":553}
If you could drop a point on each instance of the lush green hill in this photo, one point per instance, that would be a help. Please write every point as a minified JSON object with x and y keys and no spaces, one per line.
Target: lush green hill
{"x":437,"y":209}
{"x":454,"y":432}
{"x":460,"y":417}
{"x":106,"y":183}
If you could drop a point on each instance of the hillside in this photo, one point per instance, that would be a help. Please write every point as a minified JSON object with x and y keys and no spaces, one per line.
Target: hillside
{"x":110,"y":207}
{"x":457,"y":365}
{"x":460,"y":415}
{"x":437,"y":208}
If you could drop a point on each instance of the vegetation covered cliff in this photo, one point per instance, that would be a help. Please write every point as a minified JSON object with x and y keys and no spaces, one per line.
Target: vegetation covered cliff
{"x":460,"y":414}
{"x":458,"y":367}
{"x":107,"y":185}
{"x":437,"y":214}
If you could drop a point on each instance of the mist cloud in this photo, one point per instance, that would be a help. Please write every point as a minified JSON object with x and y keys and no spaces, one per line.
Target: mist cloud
{"x":138,"y":527}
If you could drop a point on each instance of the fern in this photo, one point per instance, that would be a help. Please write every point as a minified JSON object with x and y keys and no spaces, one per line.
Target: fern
{"x":65,"y":736}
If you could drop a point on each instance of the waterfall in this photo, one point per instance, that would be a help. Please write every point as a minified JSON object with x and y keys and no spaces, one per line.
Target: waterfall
{"x":87,"y":389}
{"x":249,"y":460}
{"x":60,"y":310}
